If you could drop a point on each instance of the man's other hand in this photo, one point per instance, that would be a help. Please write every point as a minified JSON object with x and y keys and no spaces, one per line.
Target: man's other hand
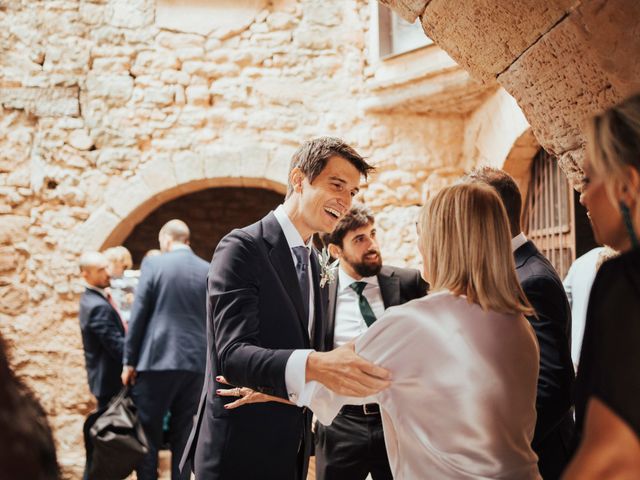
{"x":346,"y":373}
{"x":128,"y":375}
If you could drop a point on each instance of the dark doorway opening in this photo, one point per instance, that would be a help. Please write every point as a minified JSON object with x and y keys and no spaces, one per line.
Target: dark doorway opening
{"x":210,"y":214}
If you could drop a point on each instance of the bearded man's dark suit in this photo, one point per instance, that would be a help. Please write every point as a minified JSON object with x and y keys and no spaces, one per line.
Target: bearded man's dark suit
{"x":397,"y":286}
{"x":255,"y":320}
{"x":554,"y":431}
{"x":103,"y":341}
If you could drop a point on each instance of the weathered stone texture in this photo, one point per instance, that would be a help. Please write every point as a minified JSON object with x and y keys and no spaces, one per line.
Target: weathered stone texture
{"x":579,"y":68}
{"x":487,"y":36}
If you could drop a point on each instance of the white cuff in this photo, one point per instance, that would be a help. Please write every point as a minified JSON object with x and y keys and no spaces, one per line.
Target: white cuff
{"x":295,"y":374}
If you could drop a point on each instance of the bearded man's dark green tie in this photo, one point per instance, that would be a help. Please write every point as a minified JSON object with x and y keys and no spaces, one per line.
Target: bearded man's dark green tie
{"x":365,"y":308}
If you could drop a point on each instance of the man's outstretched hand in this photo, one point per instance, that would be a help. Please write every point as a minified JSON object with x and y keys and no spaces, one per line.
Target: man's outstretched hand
{"x":346,"y":373}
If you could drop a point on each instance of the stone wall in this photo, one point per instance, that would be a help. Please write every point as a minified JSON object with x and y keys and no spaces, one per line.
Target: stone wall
{"x":105,"y":116}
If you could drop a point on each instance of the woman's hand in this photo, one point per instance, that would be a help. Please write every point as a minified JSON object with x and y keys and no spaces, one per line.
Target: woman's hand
{"x":246,"y":396}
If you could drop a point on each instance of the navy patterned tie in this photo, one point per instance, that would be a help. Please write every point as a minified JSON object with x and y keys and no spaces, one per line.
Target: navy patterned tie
{"x":302,"y":270}
{"x":365,"y":308}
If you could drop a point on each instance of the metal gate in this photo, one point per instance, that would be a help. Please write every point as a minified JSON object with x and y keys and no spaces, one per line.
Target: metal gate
{"x":548,"y":216}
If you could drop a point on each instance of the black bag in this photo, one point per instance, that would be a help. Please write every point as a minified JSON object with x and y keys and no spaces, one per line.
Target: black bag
{"x":117,"y":439}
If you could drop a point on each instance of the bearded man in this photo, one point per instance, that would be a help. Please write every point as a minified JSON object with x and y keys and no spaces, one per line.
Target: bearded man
{"x":353,"y":445}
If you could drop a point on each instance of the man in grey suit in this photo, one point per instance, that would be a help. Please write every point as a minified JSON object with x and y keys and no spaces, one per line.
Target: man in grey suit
{"x":353,"y":445}
{"x":165,"y":346}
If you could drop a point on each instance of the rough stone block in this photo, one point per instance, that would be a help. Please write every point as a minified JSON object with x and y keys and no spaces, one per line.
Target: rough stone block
{"x":13,"y":299}
{"x":80,"y":139}
{"x":159,"y":175}
{"x":407,"y":9}
{"x":188,"y":167}
{"x":198,"y":95}
{"x":576,"y":70}
{"x":92,"y":234}
{"x":42,"y":102}
{"x":13,"y":229}
{"x":125,"y":196}
{"x":486,"y":36}
{"x":130,"y":13}
{"x":114,"y":89}
{"x":9,"y":259}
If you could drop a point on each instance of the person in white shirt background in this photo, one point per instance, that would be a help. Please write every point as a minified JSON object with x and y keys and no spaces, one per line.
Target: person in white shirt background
{"x":577,"y":284}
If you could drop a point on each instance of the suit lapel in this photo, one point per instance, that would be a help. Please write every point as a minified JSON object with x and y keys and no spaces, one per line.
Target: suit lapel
{"x":331,"y":314}
{"x":389,"y":288}
{"x":282,"y":261}
{"x":320,"y":302}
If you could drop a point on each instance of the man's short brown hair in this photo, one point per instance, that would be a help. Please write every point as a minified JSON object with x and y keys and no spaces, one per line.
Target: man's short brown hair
{"x":507,"y":189}
{"x":358,"y":216}
{"x":313,"y":155}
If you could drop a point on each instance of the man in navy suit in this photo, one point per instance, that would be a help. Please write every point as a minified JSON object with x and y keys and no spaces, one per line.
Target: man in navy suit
{"x":165,"y":347}
{"x":102,"y":330}
{"x":553,"y":437}
{"x":265,"y":322}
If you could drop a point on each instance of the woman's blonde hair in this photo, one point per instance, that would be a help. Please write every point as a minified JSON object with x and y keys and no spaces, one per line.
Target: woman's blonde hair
{"x":119,"y":255}
{"x":466,"y":243}
{"x":613,"y":145}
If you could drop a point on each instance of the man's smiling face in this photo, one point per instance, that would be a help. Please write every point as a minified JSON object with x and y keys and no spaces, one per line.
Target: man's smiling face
{"x":329,"y":196}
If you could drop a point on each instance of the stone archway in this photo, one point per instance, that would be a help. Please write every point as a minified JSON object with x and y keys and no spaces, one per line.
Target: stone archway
{"x":128,"y":202}
{"x":210,"y":215}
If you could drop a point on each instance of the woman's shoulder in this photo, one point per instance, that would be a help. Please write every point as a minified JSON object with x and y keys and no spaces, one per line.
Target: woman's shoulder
{"x":618,"y":279}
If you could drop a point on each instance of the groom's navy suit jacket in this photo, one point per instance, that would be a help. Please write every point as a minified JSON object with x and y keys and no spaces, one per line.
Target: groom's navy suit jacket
{"x":553,"y":436}
{"x":103,"y":341}
{"x":255,"y":319}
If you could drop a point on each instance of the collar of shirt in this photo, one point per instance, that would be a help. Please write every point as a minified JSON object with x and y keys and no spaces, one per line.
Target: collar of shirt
{"x":518,"y":241}
{"x":290,"y":231}
{"x":180,"y":246}
{"x":101,"y":291}
{"x":344,"y":280}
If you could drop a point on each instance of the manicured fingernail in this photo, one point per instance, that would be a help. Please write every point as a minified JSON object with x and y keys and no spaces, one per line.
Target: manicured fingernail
{"x":226,"y":406}
{"x":218,"y":377}
{"x":218,"y":391}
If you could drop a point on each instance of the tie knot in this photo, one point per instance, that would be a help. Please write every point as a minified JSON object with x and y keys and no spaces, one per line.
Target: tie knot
{"x":358,"y":287}
{"x":302,"y":254}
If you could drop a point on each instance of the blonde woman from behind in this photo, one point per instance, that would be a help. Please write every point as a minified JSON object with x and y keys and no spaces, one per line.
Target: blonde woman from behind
{"x":464,"y":359}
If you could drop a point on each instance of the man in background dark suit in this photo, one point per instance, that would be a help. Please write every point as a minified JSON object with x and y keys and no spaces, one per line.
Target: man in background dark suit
{"x":102,"y":330}
{"x":265,"y":317}
{"x":554,"y":431}
{"x":353,"y":445}
{"x":165,"y":347}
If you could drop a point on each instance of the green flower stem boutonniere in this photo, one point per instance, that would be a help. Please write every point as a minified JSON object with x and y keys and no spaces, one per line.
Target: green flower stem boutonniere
{"x":327,"y":268}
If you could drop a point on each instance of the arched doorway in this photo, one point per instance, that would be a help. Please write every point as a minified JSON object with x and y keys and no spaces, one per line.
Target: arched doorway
{"x":210,"y":214}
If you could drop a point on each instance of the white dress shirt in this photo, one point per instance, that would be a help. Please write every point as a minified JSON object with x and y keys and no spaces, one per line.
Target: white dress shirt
{"x":462,"y":400}
{"x":295,"y":370}
{"x":578,"y":284}
{"x":349,"y":323}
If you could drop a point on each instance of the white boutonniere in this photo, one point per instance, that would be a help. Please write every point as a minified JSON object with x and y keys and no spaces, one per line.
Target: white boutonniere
{"x":327,"y":268}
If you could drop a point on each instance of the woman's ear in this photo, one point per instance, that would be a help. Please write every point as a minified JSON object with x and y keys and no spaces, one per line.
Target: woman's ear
{"x":628,"y":191}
